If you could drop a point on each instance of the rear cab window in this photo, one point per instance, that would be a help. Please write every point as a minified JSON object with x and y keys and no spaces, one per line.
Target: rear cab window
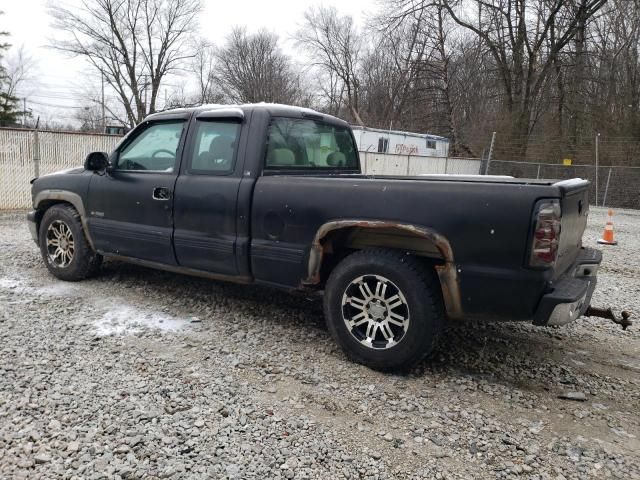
{"x":308,"y":145}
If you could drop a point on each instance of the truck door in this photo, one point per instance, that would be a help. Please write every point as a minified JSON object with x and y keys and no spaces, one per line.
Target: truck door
{"x":206,"y":193}
{"x":130,"y":207}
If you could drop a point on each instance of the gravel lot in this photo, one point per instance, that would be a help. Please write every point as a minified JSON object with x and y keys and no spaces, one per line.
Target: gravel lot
{"x":139,"y":373}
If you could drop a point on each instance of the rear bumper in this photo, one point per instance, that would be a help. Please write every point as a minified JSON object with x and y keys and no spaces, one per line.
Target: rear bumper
{"x":571,"y":294}
{"x":33,"y":225}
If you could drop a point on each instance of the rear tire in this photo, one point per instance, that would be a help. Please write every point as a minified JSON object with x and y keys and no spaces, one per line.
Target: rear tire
{"x":63,"y":245}
{"x":384,"y":308}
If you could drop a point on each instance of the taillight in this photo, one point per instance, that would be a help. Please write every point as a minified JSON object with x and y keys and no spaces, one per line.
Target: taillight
{"x":546,"y":235}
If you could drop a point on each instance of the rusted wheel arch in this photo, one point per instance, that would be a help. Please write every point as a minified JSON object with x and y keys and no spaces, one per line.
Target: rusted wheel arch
{"x":446,"y":269}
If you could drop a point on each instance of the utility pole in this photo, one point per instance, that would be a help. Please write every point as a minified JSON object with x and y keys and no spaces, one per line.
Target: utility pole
{"x":104,"y":118}
{"x":597,"y":141}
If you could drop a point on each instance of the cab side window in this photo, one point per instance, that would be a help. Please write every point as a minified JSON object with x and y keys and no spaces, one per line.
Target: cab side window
{"x":215,"y":146}
{"x":154,"y":149}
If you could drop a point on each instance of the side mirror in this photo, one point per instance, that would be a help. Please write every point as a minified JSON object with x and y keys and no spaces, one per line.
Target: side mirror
{"x":96,"y":161}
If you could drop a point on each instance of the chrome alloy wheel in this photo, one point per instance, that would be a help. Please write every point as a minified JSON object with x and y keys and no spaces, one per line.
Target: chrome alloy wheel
{"x":60,"y":244}
{"x":375,"y":311}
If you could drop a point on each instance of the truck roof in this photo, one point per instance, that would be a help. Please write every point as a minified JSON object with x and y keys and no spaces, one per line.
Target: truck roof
{"x":274,"y":109}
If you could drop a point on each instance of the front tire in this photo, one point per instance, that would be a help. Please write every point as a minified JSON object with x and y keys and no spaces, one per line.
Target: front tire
{"x":63,"y":245}
{"x":384,"y":308}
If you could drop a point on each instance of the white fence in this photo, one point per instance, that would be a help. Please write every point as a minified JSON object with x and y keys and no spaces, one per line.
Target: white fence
{"x":25,"y":154}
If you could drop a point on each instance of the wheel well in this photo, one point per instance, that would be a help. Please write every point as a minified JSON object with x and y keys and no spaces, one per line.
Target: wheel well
{"x":339,"y":243}
{"x":335,"y":240}
{"x":45,"y":205}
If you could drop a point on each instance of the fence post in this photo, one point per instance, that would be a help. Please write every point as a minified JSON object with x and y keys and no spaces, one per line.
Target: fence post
{"x":408,"y":163}
{"x":597,"y":141}
{"x":36,"y":154}
{"x":493,"y":139}
{"x":446,"y":164}
{"x":606,"y":189}
{"x":538,"y":174}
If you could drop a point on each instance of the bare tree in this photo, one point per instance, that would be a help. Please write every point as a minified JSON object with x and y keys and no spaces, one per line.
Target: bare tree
{"x":545,"y":74}
{"x":330,"y":93}
{"x":517,"y":33}
{"x":90,"y":118}
{"x":410,"y":77}
{"x":474,"y":94}
{"x":204,"y":66}
{"x":435,"y":82}
{"x":8,"y":101}
{"x":252,"y":68}
{"x":334,"y":46}
{"x":18,"y":74}
{"x":391,"y":67}
{"x":614,"y":91}
{"x":135,"y":44}
{"x":442,"y":69}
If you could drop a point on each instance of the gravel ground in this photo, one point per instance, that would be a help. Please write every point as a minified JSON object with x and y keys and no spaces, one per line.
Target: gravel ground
{"x":138,"y":373}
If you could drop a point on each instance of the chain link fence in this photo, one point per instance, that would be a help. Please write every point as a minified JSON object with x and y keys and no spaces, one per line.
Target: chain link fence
{"x":25,"y":154}
{"x":612,"y":186}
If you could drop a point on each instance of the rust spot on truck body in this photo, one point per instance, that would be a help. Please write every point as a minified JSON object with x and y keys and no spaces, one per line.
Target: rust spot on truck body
{"x":446,"y":271}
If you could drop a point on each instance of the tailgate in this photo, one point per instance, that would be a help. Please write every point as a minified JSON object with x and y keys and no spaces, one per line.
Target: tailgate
{"x":575,"y":209}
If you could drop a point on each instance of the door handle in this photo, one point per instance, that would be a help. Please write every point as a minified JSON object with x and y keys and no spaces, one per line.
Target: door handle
{"x":161,"y":193}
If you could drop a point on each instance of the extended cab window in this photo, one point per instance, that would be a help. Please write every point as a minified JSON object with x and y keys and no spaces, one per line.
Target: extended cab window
{"x":154,"y":149}
{"x":309,"y":144}
{"x":215,"y":147}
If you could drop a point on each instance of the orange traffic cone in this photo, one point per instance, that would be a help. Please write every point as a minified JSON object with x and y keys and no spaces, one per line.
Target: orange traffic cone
{"x":607,"y":236}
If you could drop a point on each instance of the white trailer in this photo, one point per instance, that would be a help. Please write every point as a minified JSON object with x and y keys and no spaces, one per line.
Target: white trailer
{"x":376,"y":140}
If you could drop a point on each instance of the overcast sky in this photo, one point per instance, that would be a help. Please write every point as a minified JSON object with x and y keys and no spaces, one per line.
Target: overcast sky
{"x":61,"y":80}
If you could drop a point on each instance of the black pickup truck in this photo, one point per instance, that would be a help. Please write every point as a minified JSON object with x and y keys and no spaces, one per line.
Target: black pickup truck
{"x":273,"y":194}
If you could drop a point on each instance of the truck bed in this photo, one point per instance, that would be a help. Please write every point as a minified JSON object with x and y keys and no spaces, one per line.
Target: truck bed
{"x":487,"y":221}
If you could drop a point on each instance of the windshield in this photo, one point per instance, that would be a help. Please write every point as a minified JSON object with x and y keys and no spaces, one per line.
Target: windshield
{"x":309,"y":144}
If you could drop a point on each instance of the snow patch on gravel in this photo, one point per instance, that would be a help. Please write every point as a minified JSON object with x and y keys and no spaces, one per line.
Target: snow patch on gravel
{"x":60,"y":289}
{"x":56,"y":289}
{"x":118,"y":320}
{"x":9,"y":283}
{"x":127,"y":320}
